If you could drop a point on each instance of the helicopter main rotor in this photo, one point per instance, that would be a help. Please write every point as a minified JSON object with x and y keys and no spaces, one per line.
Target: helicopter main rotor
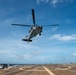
{"x":33,"y":17}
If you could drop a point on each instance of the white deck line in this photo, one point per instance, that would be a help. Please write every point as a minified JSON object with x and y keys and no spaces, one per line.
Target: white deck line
{"x":63,"y":68}
{"x":50,"y":73}
{"x":31,"y":69}
{"x":35,"y":70}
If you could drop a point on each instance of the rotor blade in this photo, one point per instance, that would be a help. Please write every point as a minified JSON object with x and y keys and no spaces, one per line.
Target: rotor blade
{"x":33,"y":16}
{"x":52,"y":25}
{"x":21,"y":25}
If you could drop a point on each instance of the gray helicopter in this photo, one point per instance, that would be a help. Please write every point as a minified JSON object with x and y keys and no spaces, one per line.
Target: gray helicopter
{"x":34,"y":29}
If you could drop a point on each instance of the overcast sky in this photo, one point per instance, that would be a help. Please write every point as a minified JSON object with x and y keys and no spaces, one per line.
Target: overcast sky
{"x":55,"y":45}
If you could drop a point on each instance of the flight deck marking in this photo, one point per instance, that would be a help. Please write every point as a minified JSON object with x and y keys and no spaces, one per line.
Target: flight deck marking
{"x":23,"y":68}
{"x":63,"y":68}
{"x":7,"y":68}
{"x":31,"y":69}
{"x":35,"y":69}
{"x":51,"y":73}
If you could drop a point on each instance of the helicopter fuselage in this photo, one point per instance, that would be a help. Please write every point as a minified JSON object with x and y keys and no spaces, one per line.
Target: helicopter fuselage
{"x":33,"y":32}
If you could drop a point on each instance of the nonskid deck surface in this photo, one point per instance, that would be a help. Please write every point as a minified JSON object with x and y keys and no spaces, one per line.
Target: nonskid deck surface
{"x":52,"y":69}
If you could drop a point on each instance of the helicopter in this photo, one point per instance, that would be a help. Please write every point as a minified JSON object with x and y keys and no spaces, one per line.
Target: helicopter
{"x":34,"y":29}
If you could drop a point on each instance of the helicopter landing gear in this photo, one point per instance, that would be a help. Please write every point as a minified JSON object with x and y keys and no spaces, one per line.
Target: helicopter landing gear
{"x":39,"y":34}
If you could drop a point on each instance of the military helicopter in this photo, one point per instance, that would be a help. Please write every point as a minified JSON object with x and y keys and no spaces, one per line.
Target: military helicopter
{"x":34,"y":29}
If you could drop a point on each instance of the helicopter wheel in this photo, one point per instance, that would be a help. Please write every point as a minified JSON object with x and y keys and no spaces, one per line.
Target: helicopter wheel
{"x":39,"y":34}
